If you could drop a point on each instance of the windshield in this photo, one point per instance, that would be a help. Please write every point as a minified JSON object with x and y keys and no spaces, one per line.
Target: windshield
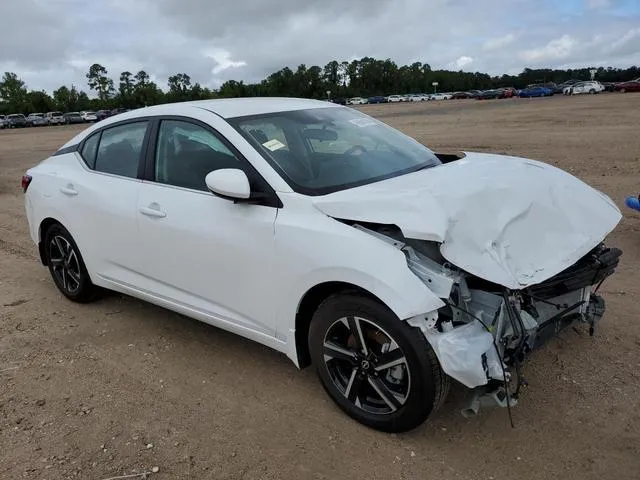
{"x":323,"y":150}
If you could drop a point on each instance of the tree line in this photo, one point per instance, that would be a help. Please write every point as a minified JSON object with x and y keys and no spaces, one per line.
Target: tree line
{"x":364,"y":77}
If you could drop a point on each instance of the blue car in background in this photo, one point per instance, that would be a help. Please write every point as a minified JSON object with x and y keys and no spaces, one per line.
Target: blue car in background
{"x":377,"y":99}
{"x":535,"y":92}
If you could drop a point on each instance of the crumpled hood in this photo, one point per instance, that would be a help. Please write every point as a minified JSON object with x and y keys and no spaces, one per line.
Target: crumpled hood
{"x":509,"y":220}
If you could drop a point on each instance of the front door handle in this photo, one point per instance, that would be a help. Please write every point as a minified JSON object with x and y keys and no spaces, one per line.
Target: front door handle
{"x":153,"y":210}
{"x":69,"y":190}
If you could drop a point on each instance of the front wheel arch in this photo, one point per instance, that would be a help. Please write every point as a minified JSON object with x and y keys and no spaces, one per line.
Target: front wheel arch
{"x":310,"y":303}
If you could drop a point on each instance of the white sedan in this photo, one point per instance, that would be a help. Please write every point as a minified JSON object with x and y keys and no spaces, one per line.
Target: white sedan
{"x":89,"y":116}
{"x":440,"y":96}
{"x":357,"y":101}
{"x":591,"y":87}
{"x":331,"y":237}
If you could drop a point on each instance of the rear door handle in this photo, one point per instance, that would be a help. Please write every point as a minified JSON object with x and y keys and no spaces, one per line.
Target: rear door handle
{"x":69,"y":190}
{"x":153,"y":210}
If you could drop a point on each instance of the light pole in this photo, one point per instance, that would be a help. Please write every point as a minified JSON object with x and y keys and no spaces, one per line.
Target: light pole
{"x":435,"y":87}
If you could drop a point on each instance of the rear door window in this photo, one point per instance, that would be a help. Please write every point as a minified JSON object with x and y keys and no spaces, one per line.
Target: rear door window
{"x":120,"y":149}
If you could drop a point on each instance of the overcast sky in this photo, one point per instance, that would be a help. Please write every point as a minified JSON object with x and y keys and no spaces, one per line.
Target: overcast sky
{"x":53,"y":42}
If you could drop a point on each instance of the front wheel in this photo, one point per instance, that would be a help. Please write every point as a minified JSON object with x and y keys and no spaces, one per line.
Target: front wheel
{"x":376,"y":368}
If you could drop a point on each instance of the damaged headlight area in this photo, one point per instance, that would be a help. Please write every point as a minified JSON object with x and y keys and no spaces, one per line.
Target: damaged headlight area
{"x":485,"y":331}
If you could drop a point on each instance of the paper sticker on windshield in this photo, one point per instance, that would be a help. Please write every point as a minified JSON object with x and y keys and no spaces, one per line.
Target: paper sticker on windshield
{"x":363,"y":122}
{"x":273,"y":144}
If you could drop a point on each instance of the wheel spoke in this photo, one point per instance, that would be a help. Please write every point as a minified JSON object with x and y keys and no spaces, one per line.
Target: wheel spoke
{"x":56,"y":262}
{"x":73,"y":276}
{"x":334,"y":351}
{"x":63,"y":276}
{"x":385,"y":394}
{"x":354,"y":386}
{"x":356,"y":331}
{"x":60,"y":247}
{"x":390,"y":359}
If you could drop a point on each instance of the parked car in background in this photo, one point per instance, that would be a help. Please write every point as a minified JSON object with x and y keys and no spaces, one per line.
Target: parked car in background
{"x":357,"y":101}
{"x":397,"y":275}
{"x":632,"y":86}
{"x":609,"y":86}
{"x":118,"y":111}
{"x":441,"y":96}
{"x":377,"y":99}
{"x":530,"y":92}
{"x":395,"y":98}
{"x":102,"y":114}
{"x":88,"y":116}
{"x":550,"y":85}
{"x":591,"y":87}
{"x":54,"y":118}
{"x":3,"y":122}
{"x":418,"y":97}
{"x":461,"y":95}
{"x":490,"y":94}
{"x":16,"y":120}
{"x":337,"y":101}
{"x":36,"y":120}
{"x":73,"y":117}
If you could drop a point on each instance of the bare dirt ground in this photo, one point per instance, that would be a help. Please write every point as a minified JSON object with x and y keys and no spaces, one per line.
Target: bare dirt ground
{"x":119,"y":386}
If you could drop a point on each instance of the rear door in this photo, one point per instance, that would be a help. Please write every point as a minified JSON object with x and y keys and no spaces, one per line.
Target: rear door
{"x":100,"y":199}
{"x":199,"y":251}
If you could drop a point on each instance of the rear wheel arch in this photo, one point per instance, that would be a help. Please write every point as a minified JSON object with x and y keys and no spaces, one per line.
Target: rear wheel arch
{"x":310,"y":303}
{"x":45,"y":225}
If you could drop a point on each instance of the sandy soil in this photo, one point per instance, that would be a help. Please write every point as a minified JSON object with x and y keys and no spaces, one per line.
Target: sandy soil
{"x":119,"y":386}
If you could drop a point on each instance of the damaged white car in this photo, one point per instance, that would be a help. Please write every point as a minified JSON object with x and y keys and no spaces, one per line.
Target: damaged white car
{"x":329,"y":236}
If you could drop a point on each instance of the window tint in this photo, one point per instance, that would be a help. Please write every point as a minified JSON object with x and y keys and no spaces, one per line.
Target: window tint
{"x":186,"y":153}
{"x":89,"y":150}
{"x":120,"y":149}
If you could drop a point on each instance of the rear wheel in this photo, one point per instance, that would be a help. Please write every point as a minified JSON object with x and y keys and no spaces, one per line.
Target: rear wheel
{"x":66,"y":265}
{"x":377,"y":369}
{"x":623,"y":90}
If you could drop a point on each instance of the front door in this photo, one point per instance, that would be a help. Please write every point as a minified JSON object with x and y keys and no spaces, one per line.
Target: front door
{"x":198,"y":250}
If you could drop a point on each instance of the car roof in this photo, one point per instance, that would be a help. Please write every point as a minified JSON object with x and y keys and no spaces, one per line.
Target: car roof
{"x":224,"y":107}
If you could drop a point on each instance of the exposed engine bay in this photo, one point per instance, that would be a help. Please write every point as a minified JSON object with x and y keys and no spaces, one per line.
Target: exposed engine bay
{"x":484,"y":332}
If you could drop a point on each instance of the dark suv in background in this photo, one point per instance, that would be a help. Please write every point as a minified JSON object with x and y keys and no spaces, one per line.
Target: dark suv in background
{"x":16,"y":120}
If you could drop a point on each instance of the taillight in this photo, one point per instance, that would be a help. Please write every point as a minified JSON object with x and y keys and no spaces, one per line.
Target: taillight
{"x":26,"y":180}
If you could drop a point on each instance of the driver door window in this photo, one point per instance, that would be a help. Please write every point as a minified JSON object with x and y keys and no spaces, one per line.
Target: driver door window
{"x":186,"y":153}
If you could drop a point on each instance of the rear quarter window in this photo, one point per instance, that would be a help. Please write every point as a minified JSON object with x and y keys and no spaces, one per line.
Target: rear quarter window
{"x":89,"y":150}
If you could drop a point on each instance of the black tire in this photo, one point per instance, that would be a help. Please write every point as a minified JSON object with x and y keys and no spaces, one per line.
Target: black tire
{"x":418,"y":380}
{"x":67,"y":267}
{"x":592,"y":92}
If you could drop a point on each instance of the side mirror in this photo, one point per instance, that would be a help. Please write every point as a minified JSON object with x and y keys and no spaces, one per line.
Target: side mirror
{"x":229,"y":183}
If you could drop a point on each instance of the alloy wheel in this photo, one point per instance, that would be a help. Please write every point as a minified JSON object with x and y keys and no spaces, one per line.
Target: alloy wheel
{"x":64,"y":264}
{"x":366,"y":365}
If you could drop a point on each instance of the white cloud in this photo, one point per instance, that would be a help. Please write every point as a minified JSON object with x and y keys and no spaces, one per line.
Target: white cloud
{"x":53,"y":43}
{"x":499,"y":42}
{"x":462,"y":62}
{"x":596,"y":4}
{"x":557,"y":49}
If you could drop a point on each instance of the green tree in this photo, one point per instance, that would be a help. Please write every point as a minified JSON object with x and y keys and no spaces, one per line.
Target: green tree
{"x":179,"y":87}
{"x":126,"y":89}
{"x":13,"y":92}
{"x":39,"y":101}
{"x":100,"y":82}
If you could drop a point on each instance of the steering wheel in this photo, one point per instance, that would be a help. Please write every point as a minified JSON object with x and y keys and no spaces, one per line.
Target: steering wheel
{"x":356,"y":148}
